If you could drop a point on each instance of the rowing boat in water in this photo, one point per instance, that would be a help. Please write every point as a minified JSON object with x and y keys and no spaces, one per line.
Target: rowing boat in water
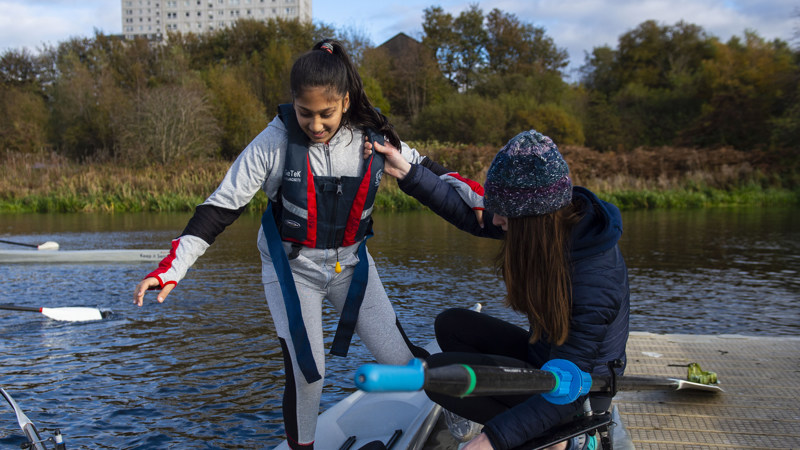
{"x":399,"y":420}
{"x":32,"y":435}
{"x":81,"y":256}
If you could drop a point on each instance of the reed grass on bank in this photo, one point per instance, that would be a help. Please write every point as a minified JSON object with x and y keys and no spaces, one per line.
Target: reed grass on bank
{"x":49,"y":183}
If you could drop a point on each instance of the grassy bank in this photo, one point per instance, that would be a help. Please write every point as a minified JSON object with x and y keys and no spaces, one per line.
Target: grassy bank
{"x":661,"y":178}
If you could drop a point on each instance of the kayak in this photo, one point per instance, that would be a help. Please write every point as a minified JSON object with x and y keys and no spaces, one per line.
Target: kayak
{"x":34,"y":438}
{"x":81,"y":256}
{"x":400,"y":420}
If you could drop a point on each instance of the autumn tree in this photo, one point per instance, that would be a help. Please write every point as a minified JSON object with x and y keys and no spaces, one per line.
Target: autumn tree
{"x":23,"y":112}
{"x":239,"y":112}
{"x":408,"y":75}
{"x":650,"y":82}
{"x":517,"y":47}
{"x":459,"y":44}
{"x":170,"y":124}
{"x":749,"y":84}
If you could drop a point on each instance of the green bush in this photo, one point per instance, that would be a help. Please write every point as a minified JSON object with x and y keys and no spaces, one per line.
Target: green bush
{"x":463,"y":118}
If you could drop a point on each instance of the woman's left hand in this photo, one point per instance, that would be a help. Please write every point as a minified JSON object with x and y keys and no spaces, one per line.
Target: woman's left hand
{"x":479,"y":442}
{"x":395,"y":165}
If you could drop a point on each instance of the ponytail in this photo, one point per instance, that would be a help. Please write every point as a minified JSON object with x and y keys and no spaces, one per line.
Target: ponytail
{"x":328,"y":65}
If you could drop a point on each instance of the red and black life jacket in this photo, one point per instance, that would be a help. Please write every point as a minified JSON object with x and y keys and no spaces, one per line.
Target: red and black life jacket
{"x":322,"y":211}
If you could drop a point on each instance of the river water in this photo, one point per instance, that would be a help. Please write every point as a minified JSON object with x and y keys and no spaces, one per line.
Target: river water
{"x":204,"y":370}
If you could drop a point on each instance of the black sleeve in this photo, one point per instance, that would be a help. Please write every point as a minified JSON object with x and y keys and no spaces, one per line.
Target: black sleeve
{"x":441,"y":198}
{"x":434,"y":167}
{"x":209,"y":221}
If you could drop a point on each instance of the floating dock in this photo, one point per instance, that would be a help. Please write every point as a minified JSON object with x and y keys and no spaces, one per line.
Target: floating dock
{"x":760,"y":408}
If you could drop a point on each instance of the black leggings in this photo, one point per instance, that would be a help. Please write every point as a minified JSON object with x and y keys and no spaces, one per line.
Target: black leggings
{"x":469,"y":337}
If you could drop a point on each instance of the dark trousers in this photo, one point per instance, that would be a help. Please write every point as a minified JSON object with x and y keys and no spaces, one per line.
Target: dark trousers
{"x":469,"y":337}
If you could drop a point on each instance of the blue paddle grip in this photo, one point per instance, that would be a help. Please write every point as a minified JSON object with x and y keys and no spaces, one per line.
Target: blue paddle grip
{"x":386,"y":378}
{"x":571,"y":382}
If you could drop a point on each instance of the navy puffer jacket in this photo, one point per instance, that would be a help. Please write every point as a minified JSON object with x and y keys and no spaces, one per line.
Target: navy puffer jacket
{"x":601,"y":299}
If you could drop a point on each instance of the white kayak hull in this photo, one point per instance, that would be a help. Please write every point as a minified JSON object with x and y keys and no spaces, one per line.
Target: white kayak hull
{"x":364,"y":417}
{"x":81,"y":256}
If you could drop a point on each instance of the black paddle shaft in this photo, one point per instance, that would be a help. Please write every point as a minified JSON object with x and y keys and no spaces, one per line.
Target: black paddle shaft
{"x":459,"y":380}
{"x":19,"y":243}
{"x":20,"y":308}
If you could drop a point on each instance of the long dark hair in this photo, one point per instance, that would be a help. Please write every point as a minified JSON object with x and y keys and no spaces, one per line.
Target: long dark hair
{"x":535,"y":264}
{"x":328,"y":65}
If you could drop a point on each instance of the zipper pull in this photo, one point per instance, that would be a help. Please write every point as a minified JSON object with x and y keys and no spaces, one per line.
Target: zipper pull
{"x":339,"y":187}
{"x":338,"y":267}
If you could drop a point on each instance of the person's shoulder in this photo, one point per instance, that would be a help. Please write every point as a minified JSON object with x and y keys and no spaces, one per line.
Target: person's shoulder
{"x":276,"y":125}
{"x":275,"y":131}
{"x":273,"y":137}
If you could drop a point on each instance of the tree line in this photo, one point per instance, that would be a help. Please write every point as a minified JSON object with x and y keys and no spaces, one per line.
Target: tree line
{"x":474,"y":78}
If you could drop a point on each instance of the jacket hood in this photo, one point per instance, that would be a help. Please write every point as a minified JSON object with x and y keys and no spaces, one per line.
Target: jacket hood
{"x":600,"y":228}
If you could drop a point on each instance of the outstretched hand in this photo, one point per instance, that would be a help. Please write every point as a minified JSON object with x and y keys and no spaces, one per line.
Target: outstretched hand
{"x":150,"y":283}
{"x":395,"y":164}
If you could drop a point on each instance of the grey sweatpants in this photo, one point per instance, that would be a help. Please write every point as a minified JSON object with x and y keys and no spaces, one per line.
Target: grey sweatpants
{"x":316,"y":280}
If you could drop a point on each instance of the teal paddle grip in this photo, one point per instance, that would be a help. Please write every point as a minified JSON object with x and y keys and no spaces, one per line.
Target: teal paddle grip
{"x":387,"y":378}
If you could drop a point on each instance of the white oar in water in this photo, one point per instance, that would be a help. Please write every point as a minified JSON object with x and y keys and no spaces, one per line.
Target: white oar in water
{"x":69,"y":314}
{"x":49,"y":245}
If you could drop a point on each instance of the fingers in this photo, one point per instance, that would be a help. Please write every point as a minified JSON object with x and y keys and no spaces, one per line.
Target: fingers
{"x":479,"y":216}
{"x":147,"y":284}
{"x":141,"y":288}
{"x":367,"y":147}
{"x":164,"y":293}
{"x":384,"y":148}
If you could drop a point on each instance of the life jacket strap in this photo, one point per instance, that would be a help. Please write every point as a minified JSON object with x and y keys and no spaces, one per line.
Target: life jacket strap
{"x":297,"y":327}
{"x":352,"y":304}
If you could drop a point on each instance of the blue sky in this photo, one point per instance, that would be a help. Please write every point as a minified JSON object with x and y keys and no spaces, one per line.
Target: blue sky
{"x":576,"y":25}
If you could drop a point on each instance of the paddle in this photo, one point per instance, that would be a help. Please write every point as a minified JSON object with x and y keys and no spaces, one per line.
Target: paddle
{"x":35,"y":441}
{"x":69,"y":314}
{"x":49,"y":245}
{"x":559,"y":381}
